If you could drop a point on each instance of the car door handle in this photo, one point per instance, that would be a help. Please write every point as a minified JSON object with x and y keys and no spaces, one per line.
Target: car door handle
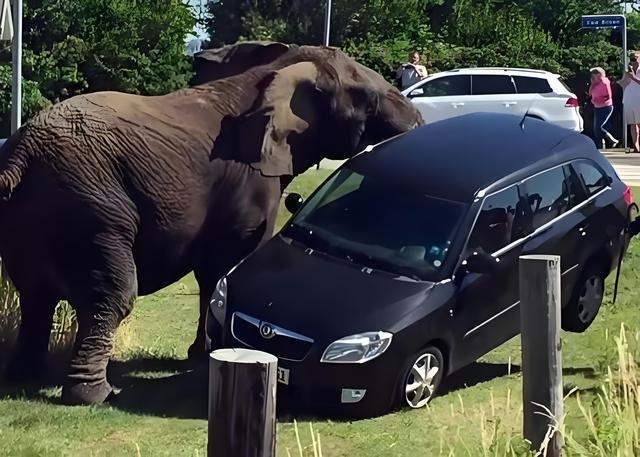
{"x":457,"y":104}
{"x":508,"y":104}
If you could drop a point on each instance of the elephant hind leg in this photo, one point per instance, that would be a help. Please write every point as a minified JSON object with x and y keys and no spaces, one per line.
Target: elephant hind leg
{"x":37,"y":308}
{"x":100,"y":309}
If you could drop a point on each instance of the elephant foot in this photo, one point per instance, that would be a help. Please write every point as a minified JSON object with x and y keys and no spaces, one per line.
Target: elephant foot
{"x":84,"y":393}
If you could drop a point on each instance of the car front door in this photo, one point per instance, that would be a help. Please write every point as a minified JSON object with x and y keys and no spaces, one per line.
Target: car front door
{"x":485,"y":314}
{"x":494,"y":94}
{"x":442,"y":97}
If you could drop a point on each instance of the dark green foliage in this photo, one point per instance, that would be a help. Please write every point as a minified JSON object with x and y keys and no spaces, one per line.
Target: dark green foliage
{"x":78,"y":46}
{"x":450,"y":33}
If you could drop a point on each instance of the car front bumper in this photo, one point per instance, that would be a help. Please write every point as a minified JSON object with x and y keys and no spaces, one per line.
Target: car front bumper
{"x":343,"y":389}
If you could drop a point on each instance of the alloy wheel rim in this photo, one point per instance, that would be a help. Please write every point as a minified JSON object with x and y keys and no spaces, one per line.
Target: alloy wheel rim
{"x":420,"y":383}
{"x":590,"y":299}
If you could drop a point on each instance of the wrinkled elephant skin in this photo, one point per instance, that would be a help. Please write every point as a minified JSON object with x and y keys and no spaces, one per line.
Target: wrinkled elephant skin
{"x":108,"y":196}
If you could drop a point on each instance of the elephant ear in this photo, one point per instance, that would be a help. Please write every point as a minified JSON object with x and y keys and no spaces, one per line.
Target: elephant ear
{"x":230,"y":60}
{"x":284,"y":110}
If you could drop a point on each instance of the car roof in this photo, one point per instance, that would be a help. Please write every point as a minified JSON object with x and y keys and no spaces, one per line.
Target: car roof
{"x":458,"y":157}
{"x":500,"y":70}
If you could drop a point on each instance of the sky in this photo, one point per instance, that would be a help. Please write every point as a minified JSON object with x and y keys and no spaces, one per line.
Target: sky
{"x":198,"y":31}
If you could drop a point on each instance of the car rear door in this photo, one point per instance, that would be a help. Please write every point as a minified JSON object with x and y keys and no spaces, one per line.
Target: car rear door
{"x":442,"y":97}
{"x":559,"y":227}
{"x":486,"y":311}
{"x":494,"y":93}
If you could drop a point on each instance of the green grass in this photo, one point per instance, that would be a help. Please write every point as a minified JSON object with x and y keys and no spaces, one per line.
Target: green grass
{"x":162,"y":410}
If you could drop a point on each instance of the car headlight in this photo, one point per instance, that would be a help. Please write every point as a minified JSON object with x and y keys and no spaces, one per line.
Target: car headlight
{"x":357,"y":348}
{"x":218,"y":303}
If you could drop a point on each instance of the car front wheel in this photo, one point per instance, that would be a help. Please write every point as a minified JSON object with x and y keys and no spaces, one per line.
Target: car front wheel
{"x":585,"y":302}
{"x":424,"y":373}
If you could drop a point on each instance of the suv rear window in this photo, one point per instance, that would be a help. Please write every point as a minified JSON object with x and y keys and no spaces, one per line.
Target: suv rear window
{"x":548,"y":195}
{"x":492,"y":85}
{"x":531,"y":85}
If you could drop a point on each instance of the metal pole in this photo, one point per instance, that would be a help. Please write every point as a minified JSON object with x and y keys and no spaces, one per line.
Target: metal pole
{"x":327,"y":23}
{"x":16,"y":52}
{"x":625,"y":60}
{"x":541,"y":351}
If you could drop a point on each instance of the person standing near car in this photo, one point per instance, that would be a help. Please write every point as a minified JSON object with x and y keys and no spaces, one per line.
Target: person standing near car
{"x":631,"y":100}
{"x":410,"y":73}
{"x":602,"y":100}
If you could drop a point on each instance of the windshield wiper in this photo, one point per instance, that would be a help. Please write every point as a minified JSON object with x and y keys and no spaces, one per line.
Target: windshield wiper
{"x":381,"y":264}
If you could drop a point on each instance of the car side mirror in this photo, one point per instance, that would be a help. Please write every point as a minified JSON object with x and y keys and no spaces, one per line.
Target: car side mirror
{"x":293,"y":202}
{"x":480,"y":262}
{"x":416,"y":92}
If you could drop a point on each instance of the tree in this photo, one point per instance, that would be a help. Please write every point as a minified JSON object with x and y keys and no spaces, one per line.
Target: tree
{"x":77,"y":46}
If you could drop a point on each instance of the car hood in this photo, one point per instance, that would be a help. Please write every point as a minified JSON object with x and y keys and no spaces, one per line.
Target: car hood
{"x":320,"y":296}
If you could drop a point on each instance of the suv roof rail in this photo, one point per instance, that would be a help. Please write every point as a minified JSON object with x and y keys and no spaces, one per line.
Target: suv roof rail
{"x":529,"y":70}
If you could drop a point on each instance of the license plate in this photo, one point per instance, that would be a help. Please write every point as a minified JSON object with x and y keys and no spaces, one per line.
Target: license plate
{"x":283,"y":375}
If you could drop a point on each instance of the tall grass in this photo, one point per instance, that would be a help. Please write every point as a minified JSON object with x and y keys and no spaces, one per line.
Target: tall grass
{"x":612,"y":419}
{"x":64,"y":322}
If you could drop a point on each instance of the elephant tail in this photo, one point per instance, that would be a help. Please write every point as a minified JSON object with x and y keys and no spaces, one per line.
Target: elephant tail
{"x":13,"y":164}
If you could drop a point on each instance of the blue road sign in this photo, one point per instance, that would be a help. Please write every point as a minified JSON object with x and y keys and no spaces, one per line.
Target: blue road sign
{"x":605,"y":21}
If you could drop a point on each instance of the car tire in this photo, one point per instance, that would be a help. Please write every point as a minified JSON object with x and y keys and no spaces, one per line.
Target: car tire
{"x":586,"y":299}
{"x":421,"y":378}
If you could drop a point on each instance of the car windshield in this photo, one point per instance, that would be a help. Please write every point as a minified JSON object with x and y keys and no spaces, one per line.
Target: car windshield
{"x":367,"y":220}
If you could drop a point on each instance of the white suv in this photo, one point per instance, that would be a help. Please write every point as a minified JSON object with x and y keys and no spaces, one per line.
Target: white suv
{"x":537,"y":93}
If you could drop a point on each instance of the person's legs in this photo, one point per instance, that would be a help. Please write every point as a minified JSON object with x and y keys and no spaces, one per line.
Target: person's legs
{"x":604,"y":127}
{"x":635,"y":136}
{"x":598,"y":119}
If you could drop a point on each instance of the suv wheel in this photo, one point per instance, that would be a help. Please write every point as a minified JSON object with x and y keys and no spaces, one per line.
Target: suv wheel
{"x":422,"y":378}
{"x":585,"y":301}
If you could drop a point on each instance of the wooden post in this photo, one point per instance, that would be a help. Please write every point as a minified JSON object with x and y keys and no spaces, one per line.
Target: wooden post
{"x":242,"y":403}
{"x":540,"y":324}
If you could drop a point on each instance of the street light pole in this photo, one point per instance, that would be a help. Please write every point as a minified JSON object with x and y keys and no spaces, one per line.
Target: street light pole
{"x":16,"y":72}
{"x":327,"y":23}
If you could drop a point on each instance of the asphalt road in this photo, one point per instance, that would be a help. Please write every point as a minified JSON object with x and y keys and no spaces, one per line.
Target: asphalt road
{"x":627,"y":166}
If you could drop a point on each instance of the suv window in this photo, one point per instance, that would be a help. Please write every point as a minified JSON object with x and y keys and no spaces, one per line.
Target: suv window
{"x":592,"y":177}
{"x":502,"y":220}
{"x":492,"y":84}
{"x":445,"y":86}
{"x":531,"y":85}
{"x":548,"y":196}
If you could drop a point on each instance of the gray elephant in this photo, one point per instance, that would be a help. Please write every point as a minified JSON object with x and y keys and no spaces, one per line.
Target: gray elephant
{"x":108,"y":196}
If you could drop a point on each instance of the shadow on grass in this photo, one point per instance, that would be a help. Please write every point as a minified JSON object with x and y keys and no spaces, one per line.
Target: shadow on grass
{"x":168,"y":387}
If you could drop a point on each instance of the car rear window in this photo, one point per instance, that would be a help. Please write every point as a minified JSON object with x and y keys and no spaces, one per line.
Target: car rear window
{"x":593,"y":178}
{"x":492,"y":85}
{"x":531,"y":85}
{"x":548,"y":195}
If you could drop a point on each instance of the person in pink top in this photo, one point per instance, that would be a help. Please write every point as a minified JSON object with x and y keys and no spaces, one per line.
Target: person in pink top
{"x":600,"y":93}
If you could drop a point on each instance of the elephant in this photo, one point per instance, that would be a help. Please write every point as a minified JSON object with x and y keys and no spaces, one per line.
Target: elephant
{"x":109,"y":196}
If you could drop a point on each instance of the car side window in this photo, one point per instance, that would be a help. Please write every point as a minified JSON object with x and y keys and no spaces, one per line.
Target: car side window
{"x":577,"y":193}
{"x":531,"y":85}
{"x":548,"y":196}
{"x":446,"y":86}
{"x":592,"y":177}
{"x":502,"y":220}
{"x":492,"y":84}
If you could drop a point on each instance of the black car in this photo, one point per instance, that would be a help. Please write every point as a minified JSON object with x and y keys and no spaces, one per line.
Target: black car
{"x":402,"y":267}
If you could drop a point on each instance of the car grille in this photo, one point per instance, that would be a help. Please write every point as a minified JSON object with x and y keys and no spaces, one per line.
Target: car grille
{"x":270,"y":338}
